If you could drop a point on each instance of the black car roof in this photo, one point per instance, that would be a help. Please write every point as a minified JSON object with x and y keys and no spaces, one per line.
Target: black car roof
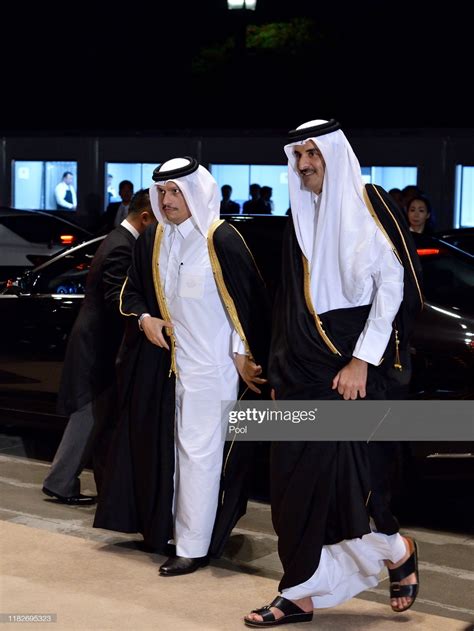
{"x":6,"y":211}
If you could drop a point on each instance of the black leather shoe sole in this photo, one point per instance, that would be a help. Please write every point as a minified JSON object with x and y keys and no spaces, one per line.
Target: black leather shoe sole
{"x":182,"y":565}
{"x":73,"y":500}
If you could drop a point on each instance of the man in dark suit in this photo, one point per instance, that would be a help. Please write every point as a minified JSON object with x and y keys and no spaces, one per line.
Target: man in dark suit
{"x":255,"y":205}
{"x":117,"y":211}
{"x":87,"y":391}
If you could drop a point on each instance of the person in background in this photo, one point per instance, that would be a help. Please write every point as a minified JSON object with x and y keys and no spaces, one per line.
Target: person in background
{"x":111,"y":192}
{"x":397,"y":196}
{"x":87,"y":392}
{"x":65,"y":194}
{"x":419,"y":214}
{"x":266,"y":194}
{"x":255,"y":205}
{"x":408,"y":193}
{"x":117,"y":211}
{"x":228,"y":207}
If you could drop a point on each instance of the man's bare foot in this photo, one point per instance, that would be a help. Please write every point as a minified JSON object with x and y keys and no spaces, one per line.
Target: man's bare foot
{"x":305,"y":604}
{"x":399,"y":604}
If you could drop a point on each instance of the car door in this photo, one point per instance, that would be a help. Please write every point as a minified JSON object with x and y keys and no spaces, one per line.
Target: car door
{"x":37,"y":313}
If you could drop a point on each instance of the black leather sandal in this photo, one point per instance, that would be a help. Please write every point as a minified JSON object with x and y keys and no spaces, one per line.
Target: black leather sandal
{"x":409,"y":567}
{"x":291,"y":613}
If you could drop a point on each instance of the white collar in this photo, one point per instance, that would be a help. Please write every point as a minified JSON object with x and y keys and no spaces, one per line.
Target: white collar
{"x":185,"y":228}
{"x":128,"y":226}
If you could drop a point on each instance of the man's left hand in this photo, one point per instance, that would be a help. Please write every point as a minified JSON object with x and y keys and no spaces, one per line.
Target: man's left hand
{"x":249,"y":371}
{"x":351,"y":380}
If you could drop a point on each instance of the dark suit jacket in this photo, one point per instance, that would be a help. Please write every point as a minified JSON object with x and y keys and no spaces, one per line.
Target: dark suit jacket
{"x":255,"y":207}
{"x":89,"y":366}
{"x":229,"y":208}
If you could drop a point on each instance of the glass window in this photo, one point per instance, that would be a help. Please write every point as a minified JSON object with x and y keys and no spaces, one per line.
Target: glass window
{"x":390,"y":177}
{"x":464,"y":196}
{"x":240,"y":176}
{"x":43,"y":185}
{"x":140,"y":174}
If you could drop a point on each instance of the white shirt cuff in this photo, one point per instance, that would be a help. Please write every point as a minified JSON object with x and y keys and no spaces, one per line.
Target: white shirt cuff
{"x":238,"y":347}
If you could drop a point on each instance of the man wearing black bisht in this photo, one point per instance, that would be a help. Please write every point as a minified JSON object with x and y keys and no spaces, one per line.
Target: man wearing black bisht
{"x":349,"y":293}
{"x":199,"y":319}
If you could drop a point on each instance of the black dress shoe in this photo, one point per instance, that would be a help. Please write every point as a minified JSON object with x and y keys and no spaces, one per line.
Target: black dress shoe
{"x":175,"y":566}
{"x":72,"y":500}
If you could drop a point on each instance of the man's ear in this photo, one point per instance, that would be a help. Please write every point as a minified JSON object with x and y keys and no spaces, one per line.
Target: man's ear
{"x":147,"y":217}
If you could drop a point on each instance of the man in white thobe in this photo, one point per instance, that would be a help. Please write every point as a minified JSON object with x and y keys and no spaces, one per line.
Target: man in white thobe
{"x":208,"y":351}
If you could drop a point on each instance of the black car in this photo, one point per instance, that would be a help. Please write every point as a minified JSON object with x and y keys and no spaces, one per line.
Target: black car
{"x":38,"y":310}
{"x":462,"y":238}
{"x":28,"y":238}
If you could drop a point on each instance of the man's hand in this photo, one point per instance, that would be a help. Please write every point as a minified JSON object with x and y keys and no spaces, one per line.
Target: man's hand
{"x":351,"y":380}
{"x":249,"y":371}
{"x":153,"y":329}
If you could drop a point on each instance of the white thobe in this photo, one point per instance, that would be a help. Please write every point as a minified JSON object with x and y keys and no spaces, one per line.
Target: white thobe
{"x":348,"y":568}
{"x":382,"y":289}
{"x":352,"y":566}
{"x":205,"y":345}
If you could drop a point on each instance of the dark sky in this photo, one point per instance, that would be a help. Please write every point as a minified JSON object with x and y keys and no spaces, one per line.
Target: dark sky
{"x":89,"y":67}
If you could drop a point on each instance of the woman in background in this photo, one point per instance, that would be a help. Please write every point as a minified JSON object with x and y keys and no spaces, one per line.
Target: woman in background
{"x":418,"y":214}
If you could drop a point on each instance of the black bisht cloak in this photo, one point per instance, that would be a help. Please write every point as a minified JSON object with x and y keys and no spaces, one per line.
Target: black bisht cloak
{"x":325,"y":492}
{"x":137,"y":492}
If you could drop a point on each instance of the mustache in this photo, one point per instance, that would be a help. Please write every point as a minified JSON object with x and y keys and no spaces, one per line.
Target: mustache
{"x":307,"y":171}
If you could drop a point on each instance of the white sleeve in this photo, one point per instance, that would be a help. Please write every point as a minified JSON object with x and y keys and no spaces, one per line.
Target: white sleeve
{"x":59,"y":193}
{"x":388,"y":281}
{"x":237,"y":345}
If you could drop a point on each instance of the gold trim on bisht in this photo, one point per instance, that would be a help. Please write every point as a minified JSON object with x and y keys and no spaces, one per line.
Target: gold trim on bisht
{"x":312,"y":310}
{"x":160,"y":295}
{"x":120,"y":301}
{"x":371,"y":210}
{"x":221,"y":286}
{"x":377,"y":221}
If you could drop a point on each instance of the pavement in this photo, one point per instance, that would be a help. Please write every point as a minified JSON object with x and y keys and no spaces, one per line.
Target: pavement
{"x":54,"y":562}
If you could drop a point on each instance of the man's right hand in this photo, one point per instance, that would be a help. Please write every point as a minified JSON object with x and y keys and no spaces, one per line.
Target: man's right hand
{"x":153,"y":329}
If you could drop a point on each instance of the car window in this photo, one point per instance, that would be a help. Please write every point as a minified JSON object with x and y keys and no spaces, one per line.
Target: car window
{"x":36,"y":229}
{"x":447,"y":279}
{"x":40,"y":228}
{"x":67,"y":274}
{"x":464,"y":242}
